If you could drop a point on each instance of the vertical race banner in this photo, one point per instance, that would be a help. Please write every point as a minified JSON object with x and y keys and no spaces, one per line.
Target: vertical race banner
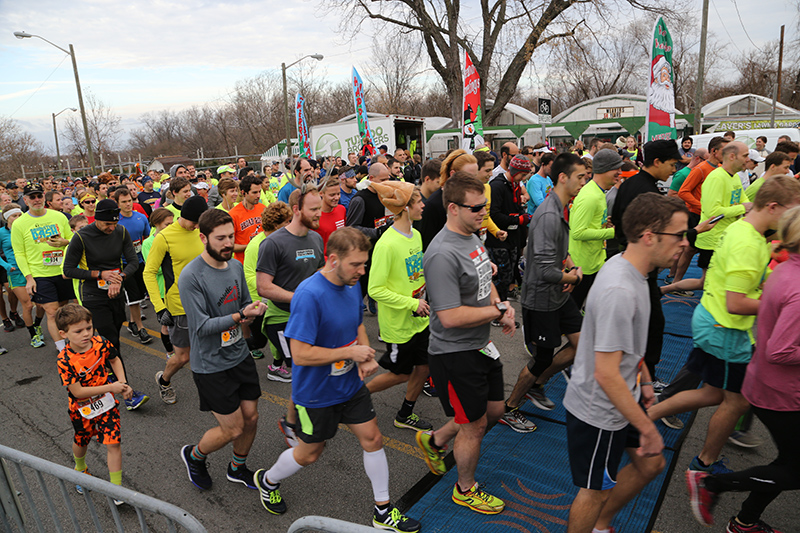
{"x":660,"y":123}
{"x":364,"y":133}
{"x":472,"y":127}
{"x":303,"y":138}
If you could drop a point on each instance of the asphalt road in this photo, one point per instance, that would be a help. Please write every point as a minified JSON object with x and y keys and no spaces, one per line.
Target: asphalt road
{"x":33,"y":411}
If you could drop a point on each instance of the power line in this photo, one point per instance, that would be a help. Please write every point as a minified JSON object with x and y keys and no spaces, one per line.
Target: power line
{"x":743,"y":28}
{"x":37,"y":89}
{"x":725,"y":28}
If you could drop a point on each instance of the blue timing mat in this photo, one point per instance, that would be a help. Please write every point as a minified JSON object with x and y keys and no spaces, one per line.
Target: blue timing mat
{"x":530,"y":472}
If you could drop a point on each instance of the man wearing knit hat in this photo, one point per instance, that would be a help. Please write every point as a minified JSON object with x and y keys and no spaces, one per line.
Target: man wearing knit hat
{"x":505,"y":212}
{"x":398,"y":287}
{"x":588,"y":221}
{"x":173,"y":248}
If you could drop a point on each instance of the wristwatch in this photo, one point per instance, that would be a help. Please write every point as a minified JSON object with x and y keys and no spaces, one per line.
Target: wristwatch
{"x":502,"y":308}
{"x":241,"y":314}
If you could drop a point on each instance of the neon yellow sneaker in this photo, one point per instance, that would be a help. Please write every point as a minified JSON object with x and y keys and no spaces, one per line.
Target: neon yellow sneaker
{"x":434,"y":457}
{"x":478,"y":501}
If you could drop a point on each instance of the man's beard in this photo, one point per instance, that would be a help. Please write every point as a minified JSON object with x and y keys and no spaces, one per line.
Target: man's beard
{"x":310,"y":223}
{"x":223,"y":255}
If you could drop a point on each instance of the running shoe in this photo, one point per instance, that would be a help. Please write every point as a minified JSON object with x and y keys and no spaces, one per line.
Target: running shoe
{"x":197,"y":470}
{"x":242,"y":475}
{"x":433,"y":457}
{"x":38,"y":331}
{"x":132,"y":329}
{"x":716,"y":468}
{"x":758,"y":527}
{"x":137,"y":400}
{"x":118,"y":502}
{"x":394,"y":520}
{"x":257,"y":354}
{"x":279,"y":373}
{"x":745,"y":439}
{"x":567,"y":373}
{"x":684,"y":294}
{"x":539,"y":398}
{"x":37,"y":341}
{"x":17,"y":320}
{"x":288,"y":432}
{"x":429,"y":390}
{"x":78,"y":488}
{"x":143,"y":304}
{"x":514,"y":293}
{"x":478,"y":500}
{"x":412,"y":422}
{"x":659,"y":386}
{"x":8,"y":326}
{"x":517,"y":421}
{"x":144,"y":337}
{"x":672,"y":422}
{"x":270,"y":498}
{"x":3,"y":350}
{"x":167,"y":392}
{"x":372,"y":305}
{"x":668,"y":279}
{"x":701,"y":499}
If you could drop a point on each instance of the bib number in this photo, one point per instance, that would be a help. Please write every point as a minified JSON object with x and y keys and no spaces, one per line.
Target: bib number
{"x":52,"y":257}
{"x":103,"y":284}
{"x":482,"y":234}
{"x":96,"y":405}
{"x":340,"y":368}
{"x":137,"y":246}
{"x":491,"y":351}
{"x":231,"y":336}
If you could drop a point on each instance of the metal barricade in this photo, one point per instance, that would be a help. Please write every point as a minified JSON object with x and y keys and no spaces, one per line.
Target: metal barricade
{"x":322,"y":524}
{"x":26,"y":509}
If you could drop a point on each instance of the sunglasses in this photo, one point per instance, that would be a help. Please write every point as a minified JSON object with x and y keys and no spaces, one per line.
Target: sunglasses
{"x":89,"y":201}
{"x":35,"y":196}
{"x":473,"y":208}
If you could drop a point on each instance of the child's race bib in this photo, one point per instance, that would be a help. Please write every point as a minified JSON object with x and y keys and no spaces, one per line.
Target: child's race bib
{"x":96,"y":405}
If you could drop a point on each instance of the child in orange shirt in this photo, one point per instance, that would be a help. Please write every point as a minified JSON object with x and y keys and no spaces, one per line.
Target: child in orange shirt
{"x":92,"y":406}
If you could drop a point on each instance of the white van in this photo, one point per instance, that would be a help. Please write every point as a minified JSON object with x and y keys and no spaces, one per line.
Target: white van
{"x":749,"y":137}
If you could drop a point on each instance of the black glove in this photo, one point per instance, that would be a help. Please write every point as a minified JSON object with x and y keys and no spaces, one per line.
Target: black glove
{"x":165,"y":317}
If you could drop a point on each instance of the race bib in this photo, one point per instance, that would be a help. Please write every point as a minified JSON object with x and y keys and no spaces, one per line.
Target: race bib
{"x":491,"y":351}
{"x":52,"y":257}
{"x":137,"y":246}
{"x":231,"y":336}
{"x":381,"y":222}
{"x":482,"y":234}
{"x":512,"y":227}
{"x":96,"y":405}
{"x":339,"y":368}
{"x":421,"y":293}
{"x":103,"y":284}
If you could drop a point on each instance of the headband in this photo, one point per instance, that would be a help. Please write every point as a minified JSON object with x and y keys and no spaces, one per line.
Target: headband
{"x":87,"y":196}
{"x":350,"y":174}
{"x":10,"y":212}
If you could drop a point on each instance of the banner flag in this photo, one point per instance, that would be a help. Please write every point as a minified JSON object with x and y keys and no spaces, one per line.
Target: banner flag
{"x":472,"y":128}
{"x":303,"y":138}
{"x":364,"y":133}
{"x":660,"y":121}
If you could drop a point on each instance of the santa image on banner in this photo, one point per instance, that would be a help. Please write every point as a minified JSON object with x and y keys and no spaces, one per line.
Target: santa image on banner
{"x":661,"y":94}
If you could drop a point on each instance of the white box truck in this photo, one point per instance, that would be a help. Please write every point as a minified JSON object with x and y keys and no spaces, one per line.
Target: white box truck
{"x":395,"y":131}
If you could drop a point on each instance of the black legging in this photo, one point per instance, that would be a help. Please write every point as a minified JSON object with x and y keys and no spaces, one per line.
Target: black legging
{"x":765,"y":483}
{"x":655,"y":330}
{"x":107,"y":318}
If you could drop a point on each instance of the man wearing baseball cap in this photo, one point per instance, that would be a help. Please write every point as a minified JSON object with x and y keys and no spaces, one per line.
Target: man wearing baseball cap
{"x":39,"y":238}
{"x":173,"y":248}
{"x":748,"y":174}
{"x":94,"y":258}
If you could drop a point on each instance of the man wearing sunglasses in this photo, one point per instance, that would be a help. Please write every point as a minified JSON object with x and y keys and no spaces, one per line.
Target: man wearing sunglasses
{"x":39,"y":238}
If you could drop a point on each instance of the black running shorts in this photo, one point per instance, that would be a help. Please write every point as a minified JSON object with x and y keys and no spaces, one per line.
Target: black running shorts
{"x":318,"y":424}
{"x":223,"y":392}
{"x":595,"y":454}
{"x":402,"y":358}
{"x":53,"y":289}
{"x":466,"y":382}
{"x":544,"y":328}
{"x":716,"y":372}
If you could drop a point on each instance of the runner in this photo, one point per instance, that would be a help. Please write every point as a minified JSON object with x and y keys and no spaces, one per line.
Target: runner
{"x":160,"y":219}
{"x":548,"y":310}
{"x":485,"y":161}
{"x":147,"y":198}
{"x":589,"y":226}
{"x":609,"y":377}
{"x":16,"y":281}
{"x":174,"y":248}
{"x":39,"y":238}
{"x":94,"y":258}
{"x":181,"y":190}
{"x":247,"y":215}
{"x":774,"y":363}
{"x":139,"y":229}
{"x":464,"y":364}
{"x":776,"y":164}
{"x":347,"y":185}
{"x":540,"y":184}
{"x":285,"y":259}
{"x":398,"y":287}
{"x":333,"y":357}
{"x":333,"y":214}
{"x":722,"y":323}
{"x":218,"y":303}
{"x":83,"y":368}
{"x":229,"y":192}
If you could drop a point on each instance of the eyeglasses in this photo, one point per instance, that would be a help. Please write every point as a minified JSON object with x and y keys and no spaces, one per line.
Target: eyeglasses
{"x":680,"y":235}
{"x":474,"y":208}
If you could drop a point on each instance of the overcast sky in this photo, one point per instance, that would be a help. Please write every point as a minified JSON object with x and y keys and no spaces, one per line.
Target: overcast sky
{"x":150,"y":55}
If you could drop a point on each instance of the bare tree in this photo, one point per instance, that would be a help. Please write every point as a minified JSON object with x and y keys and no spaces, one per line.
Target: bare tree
{"x":17,"y":148}
{"x":104,"y":128}
{"x":396,"y":66}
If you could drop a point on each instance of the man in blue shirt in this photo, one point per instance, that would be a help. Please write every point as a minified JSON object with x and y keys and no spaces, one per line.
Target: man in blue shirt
{"x":539,"y":185}
{"x":332,"y":356}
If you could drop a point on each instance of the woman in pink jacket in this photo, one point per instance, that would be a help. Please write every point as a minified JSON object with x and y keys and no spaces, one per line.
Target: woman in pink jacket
{"x":772,"y":386}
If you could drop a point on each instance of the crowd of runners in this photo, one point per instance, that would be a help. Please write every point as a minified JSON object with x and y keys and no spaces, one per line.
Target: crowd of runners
{"x":284,"y":262}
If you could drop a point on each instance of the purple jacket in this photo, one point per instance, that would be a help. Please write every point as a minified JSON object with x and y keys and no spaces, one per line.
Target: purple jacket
{"x":773,"y":375}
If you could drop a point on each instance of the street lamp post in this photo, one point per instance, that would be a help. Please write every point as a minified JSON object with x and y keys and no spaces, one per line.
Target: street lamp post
{"x":55,"y":134}
{"x":71,"y":53}
{"x":284,"y":66}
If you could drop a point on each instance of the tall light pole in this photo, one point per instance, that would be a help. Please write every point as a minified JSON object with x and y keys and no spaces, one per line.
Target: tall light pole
{"x":71,"y":53}
{"x":55,"y":133}
{"x":284,"y":66}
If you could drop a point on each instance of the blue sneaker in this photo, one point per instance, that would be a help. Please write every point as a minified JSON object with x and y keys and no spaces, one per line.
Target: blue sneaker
{"x":716,"y":468}
{"x":373,"y":307}
{"x":137,"y":400}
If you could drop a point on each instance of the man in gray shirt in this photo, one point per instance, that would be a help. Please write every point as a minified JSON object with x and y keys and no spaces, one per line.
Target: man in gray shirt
{"x":463,"y":362}
{"x":217,"y":303}
{"x":610,"y":382}
{"x":547,"y":309}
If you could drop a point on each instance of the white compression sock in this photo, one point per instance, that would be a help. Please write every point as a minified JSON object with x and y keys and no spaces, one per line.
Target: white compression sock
{"x":284,"y":467}
{"x":378,"y":472}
